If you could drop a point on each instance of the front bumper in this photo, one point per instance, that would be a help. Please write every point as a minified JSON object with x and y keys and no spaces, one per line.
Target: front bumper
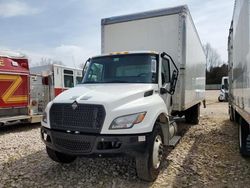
{"x":94,"y":144}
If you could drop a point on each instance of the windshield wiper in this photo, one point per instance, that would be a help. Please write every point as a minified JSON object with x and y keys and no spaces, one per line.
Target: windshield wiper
{"x":91,"y":82}
{"x":117,"y":81}
{"x":112,"y":81}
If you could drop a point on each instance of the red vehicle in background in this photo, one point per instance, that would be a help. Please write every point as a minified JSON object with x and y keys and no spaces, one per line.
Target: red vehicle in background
{"x":14,"y":87}
{"x":25,"y":92}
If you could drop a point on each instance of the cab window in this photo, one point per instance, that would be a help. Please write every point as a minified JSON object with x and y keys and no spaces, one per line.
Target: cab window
{"x":95,"y":73}
{"x":78,"y":80}
{"x":68,"y":78}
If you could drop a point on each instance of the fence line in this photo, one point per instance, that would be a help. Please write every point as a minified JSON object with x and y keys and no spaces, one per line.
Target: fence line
{"x":213,"y":87}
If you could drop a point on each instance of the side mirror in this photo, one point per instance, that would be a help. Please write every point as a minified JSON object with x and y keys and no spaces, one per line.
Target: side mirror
{"x":173,"y":82}
{"x":222,"y":87}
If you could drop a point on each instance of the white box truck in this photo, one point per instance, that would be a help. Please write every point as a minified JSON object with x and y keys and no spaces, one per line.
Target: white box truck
{"x":127,"y":101}
{"x":223,"y":89}
{"x":239,"y":72}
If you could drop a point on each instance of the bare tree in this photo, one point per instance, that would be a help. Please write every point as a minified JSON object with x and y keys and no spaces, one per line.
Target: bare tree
{"x":212,"y":57}
{"x":48,"y":61}
{"x":81,"y":66}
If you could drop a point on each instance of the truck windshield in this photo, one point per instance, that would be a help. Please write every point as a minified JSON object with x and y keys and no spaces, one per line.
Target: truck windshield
{"x":129,"y":68}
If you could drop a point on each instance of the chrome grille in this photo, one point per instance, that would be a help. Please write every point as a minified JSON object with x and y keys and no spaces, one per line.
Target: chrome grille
{"x":84,"y":118}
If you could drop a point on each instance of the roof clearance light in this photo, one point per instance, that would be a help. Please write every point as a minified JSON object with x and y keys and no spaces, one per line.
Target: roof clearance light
{"x":14,"y":63}
{"x":118,"y":53}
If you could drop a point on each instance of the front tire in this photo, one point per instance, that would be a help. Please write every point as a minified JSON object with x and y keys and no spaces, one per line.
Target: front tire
{"x":219,"y":99}
{"x":59,"y":157}
{"x":148,"y":164}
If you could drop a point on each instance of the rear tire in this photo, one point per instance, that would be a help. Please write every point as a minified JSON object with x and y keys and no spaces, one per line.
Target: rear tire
{"x":231,"y":113}
{"x":243,"y":134}
{"x":192,"y":115}
{"x":59,"y":157}
{"x":148,"y":164}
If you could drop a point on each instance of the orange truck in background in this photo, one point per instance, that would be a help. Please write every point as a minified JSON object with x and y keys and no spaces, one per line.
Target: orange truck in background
{"x":25,"y":92}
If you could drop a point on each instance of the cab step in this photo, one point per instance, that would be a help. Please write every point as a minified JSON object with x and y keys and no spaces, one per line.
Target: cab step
{"x":174,"y":141}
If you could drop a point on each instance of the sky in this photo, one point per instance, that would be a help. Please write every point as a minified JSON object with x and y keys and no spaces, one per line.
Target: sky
{"x":70,"y":31}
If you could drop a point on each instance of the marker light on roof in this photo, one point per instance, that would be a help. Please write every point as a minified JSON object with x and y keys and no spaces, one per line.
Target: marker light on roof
{"x":14,"y":63}
{"x":118,"y":53}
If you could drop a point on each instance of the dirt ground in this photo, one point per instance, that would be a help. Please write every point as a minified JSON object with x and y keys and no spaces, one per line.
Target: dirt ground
{"x":207,"y":156}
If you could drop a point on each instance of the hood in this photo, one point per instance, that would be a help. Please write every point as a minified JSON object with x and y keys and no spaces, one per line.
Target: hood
{"x":104,"y":93}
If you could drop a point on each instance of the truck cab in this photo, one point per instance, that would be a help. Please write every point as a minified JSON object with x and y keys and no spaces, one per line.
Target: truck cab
{"x":123,"y":106}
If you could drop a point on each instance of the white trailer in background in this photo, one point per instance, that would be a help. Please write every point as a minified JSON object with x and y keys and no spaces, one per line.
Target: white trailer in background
{"x":128,"y":99}
{"x":239,"y":72}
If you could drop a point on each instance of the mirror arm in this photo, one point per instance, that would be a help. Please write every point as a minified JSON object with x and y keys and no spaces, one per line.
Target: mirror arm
{"x":164,"y":90}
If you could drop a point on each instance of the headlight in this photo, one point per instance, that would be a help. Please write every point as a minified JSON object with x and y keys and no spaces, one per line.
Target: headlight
{"x":126,"y":122}
{"x":44,"y":117}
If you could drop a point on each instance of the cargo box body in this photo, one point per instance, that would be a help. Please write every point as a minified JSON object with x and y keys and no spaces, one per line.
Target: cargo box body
{"x":168,"y":30}
{"x":239,"y":61}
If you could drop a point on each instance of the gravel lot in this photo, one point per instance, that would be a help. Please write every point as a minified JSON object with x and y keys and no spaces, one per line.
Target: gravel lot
{"x":206,"y":155}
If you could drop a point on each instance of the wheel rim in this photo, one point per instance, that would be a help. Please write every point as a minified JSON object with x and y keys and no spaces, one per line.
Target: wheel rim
{"x":157,"y":151}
